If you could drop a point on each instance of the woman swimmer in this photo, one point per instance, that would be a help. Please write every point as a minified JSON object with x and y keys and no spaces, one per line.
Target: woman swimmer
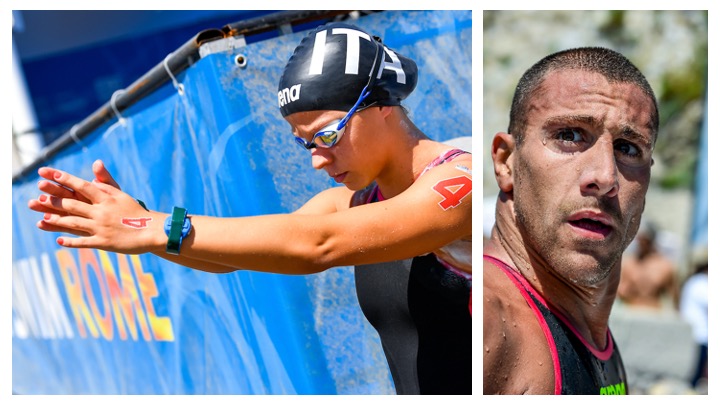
{"x":341,"y":92}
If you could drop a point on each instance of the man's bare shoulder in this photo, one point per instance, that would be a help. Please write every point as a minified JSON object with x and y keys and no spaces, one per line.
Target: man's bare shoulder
{"x":494,"y":282}
{"x":516,"y":357}
{"x":503,"y":305}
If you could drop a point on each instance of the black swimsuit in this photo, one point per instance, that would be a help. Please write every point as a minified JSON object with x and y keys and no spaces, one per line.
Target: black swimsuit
{"x":419,"y":308}
{"x":579,"y":368}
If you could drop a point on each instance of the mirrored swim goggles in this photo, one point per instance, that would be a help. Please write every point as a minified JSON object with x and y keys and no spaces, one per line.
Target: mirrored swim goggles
{"x":331,"y":134}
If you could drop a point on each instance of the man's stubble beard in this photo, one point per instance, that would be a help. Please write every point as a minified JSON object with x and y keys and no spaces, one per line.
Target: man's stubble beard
{"x":540,"y":239}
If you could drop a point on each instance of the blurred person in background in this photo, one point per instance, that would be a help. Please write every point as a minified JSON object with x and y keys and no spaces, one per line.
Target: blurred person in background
{"x":648,"y":278}
{"x":694,"y":310}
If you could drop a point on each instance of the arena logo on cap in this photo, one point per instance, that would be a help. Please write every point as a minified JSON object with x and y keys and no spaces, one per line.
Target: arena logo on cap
{"x":289,"y":94}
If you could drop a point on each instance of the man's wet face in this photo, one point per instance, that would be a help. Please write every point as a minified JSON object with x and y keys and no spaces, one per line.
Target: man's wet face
{"x":582,"y":171}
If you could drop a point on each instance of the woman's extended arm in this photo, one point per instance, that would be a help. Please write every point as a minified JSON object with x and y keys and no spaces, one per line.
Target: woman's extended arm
{"x":428,"y":215}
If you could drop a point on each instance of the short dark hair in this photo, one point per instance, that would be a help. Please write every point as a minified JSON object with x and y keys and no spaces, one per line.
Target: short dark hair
{"x":615,"y":67}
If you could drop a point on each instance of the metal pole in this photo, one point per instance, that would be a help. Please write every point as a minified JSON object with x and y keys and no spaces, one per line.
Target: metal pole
{"x":181,"y":59}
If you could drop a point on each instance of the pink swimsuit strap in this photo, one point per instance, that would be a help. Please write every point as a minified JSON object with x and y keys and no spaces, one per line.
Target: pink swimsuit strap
{"x":376,"y":195}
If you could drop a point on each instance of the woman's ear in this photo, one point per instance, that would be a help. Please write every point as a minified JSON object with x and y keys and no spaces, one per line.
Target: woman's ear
{"x":385,"y":110}
{"x":503,"y":146}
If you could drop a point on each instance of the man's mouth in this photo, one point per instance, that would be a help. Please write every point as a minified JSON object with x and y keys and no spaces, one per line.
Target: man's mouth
{"x":592,"y":225}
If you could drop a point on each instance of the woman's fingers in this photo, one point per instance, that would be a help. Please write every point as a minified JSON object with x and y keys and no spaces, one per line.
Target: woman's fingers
{"x":67,"y":223}
{"x":61,"y":206}
{"x":82,"y":188}
{"x":97,"y":212}
{"x":81,"y":242}
{"x":103,"y":181}
{"x":54,"y":189}
{"x":102,"y":175}
{"x":48,"y":227}
{"x":40,"y":206}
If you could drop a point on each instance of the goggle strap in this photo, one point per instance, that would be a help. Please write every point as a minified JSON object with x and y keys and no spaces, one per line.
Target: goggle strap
{"x":379,"y":58}
{"x":363,"y":95}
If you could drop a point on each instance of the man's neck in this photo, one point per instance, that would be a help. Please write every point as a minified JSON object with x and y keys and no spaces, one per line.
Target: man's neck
{"x":587,"y":308}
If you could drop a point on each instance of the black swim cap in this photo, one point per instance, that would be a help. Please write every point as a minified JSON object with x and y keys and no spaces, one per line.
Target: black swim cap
{"x":332,"y":65}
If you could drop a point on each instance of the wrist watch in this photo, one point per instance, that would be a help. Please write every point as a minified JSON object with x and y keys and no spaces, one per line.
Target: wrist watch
{"x":177,"y":227}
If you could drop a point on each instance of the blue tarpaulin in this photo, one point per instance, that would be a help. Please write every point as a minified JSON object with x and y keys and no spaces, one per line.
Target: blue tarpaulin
{"x":91,"y":322}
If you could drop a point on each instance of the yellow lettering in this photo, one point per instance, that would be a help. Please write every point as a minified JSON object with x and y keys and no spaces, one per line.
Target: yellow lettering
{"x":161,"y":326}
{"x":71,"y":279}
{"x":124,"y":297}
{"x":104,"y":321}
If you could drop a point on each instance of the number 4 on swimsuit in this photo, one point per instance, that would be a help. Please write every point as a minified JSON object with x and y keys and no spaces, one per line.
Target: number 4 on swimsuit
{"x":453,"y":190}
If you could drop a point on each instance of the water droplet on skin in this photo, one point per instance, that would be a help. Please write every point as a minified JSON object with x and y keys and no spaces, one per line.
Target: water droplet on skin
{"x":544,"y":141}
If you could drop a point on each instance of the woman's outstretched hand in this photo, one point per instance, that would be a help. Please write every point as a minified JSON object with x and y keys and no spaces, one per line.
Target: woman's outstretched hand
{"x":97,"y":213}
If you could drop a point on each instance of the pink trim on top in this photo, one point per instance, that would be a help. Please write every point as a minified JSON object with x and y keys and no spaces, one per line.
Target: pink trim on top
{"x":603,"y":355}
{"x":450,"y":154}
{"x":509,"y":271}
{"x":378,"y":193}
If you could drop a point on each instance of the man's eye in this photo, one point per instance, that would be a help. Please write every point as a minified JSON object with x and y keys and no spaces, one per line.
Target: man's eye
{"x":569,"y":135}
{"x":628,"y":149}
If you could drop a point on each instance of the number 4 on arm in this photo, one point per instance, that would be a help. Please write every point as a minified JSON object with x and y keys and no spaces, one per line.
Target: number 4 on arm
{"x":453,"y":190}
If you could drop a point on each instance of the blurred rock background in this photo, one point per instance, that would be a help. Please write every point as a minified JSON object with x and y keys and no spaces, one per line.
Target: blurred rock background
{"x":670,"y":48}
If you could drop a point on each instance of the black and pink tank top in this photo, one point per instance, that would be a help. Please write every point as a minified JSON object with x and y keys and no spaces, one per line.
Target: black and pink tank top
{"x":419,"y":307}
{"x":579,"y":368}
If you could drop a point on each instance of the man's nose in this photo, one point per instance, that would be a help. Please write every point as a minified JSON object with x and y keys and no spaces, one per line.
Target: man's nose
{"x":599,"y":175}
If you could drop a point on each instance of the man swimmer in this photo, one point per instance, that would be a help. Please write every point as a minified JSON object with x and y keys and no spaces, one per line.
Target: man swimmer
{"x":573,"y":170}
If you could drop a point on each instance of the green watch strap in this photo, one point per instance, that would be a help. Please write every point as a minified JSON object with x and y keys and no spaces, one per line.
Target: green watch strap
{"x":176,"y":227}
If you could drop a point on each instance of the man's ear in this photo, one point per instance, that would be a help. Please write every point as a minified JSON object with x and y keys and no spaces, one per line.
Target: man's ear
{"x":502,"y":151}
